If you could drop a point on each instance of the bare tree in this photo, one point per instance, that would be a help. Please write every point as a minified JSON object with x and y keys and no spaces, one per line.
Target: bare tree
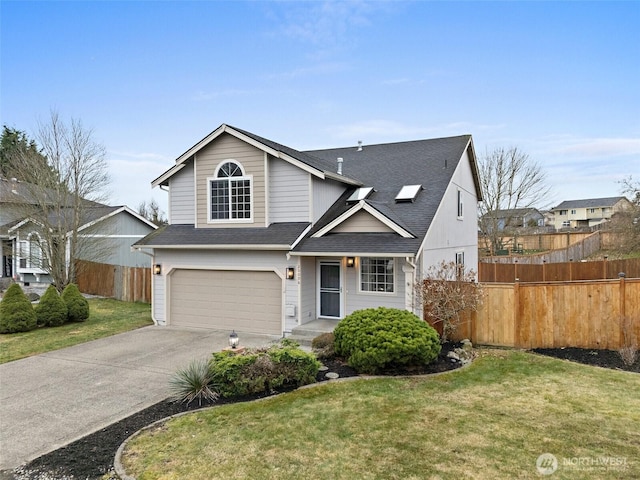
{"x":65,"y":194}
{"x":626,"y":223}
{"x":446,"y":294}
{"x":509,"y":180}
{"x":152,"y":212}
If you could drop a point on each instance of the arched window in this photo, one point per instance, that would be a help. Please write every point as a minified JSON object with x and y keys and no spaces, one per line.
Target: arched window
{"x":230,"y":193}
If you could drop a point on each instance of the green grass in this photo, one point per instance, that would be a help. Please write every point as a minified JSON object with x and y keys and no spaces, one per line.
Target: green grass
{"x":491,"y":420}
{"x":107,"y":317}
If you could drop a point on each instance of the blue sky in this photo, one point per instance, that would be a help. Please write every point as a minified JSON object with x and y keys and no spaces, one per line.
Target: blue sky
{"x":559,"y":80}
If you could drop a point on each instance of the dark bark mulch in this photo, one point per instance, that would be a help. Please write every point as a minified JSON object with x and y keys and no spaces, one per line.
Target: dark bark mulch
{"x":92,"y":456}
{"x":598,"y":358}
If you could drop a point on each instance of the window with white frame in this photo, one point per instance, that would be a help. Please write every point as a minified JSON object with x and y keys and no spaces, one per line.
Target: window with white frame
{"x":566,"y":223}
{"x":460,"y":263}
{"x":377,"y":274}
{"x":230,"y":193}
{"x":460,"y":211}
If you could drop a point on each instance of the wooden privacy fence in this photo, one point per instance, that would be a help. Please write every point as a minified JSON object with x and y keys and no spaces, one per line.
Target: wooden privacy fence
{"x":131,"y":284}
{"x":557,"y":272}
{"x":601,"y":314}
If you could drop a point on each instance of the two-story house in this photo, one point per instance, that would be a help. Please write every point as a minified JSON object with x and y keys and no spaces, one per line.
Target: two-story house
{"x":262,"y":237}
{"x":587,"y":212}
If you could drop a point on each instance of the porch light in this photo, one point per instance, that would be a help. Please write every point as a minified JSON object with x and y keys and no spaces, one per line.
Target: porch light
{"x":351,"y":261}
{"x":291,"y":273}
{"x":234,"y":340}
{"x":157,"y":269}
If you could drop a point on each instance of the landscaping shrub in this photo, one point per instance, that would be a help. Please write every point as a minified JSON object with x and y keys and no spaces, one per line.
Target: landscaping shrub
{"x":16,"y":311}
{"x":51,"y":311}
{"x":262,"y":370}
{"x":193,"y":383}
{"x":324,"y":346}
{"x":377,"y":339}
{"x":77,"y":305}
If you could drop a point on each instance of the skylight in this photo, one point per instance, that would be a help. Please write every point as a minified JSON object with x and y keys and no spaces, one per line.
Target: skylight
{"x":360,"y":194}
{"x":408,"y":193}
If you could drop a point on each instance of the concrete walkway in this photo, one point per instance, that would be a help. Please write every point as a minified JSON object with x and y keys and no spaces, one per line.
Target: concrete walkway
{"x":50,"y":400}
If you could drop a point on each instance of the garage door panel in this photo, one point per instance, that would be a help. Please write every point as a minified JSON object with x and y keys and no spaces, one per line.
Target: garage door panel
{"x":248,"y":301}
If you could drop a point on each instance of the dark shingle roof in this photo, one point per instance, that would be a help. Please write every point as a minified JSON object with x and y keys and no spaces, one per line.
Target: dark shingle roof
{"x":278,"y":234}
{"x":387,"y":168}
{"x":589,"y":203}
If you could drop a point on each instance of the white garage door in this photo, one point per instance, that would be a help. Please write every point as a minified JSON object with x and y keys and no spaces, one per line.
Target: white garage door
{"x":226,"y":300}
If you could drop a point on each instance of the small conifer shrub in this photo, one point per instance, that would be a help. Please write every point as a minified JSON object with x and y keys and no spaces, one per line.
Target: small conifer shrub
{"x":51,"y":311}
{"x":77,"y":305}
{"x":16,"y":311}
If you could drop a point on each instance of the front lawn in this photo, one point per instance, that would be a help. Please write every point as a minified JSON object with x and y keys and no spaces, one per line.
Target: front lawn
{"x":493,"y":419}
{"x":107,"y":317}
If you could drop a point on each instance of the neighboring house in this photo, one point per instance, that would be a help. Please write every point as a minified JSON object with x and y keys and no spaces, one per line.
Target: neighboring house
{"x":514,"y":218}
{"x":262,"y":237}
{"x":587,"y":213}
{"x":106,"y":234}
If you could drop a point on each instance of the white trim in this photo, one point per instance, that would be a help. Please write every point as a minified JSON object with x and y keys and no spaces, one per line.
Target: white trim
{"x":301,"y":236}
{"x":338,"y":263}
{"x":377,"y":292}
{"x":217,"y":247}
{"x":168,"y":174}
{"x":311,"y":203}
{"x":363,"y":205}
{"x":242,"y":177}
{"x":267,"y":194}
{"x":123,"y":208}
{"x":351,"y":254}
{"x":172,"y":268}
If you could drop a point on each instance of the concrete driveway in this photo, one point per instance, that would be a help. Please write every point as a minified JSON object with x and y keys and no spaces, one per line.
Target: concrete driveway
{"x":50,"y":400}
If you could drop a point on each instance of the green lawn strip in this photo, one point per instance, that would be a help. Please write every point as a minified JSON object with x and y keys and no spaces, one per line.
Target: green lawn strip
{"x":491,"y":420}
{"x":107,"y":317}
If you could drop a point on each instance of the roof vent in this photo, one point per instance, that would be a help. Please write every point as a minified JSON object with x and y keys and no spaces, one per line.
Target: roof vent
{"x":408,"y":193}
{"x":359,"y":145}
{"x":340,"y":160}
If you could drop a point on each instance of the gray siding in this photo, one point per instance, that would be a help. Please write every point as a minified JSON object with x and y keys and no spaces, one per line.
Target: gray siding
{"x":227,"y":147}
{"x":361,"y":222}
{"x":308,"y":289}
{"x":449,"y":234}
{"x":110,"y":240}
{"x":325,"y":193}
{"x":226,"y":259}
{"x":288,"y":192}
{"x":182,"y":196}
{"x":356,"y":300}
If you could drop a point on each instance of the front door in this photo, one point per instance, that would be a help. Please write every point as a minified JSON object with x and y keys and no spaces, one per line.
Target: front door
{"x":330,"y":291}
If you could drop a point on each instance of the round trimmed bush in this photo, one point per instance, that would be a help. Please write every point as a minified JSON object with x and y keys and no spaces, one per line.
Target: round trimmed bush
{"x":374,"y":340}
{"x":77,"y":305}
{"x":16,"y":311}
{"x":51,"y":311}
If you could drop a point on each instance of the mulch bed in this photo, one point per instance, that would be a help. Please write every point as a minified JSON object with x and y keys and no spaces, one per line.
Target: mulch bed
{"x":92,"y":456}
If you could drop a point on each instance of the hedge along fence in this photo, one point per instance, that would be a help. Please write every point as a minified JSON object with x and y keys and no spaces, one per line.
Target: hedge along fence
{"x":585,"y":314}
{"x":131,"y":284}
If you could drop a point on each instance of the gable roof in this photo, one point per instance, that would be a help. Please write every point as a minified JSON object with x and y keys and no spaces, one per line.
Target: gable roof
{"x":90,"y":216}
{"x":387,"y":168}
{"x":316,"y":166}
{"x":590,"y":203}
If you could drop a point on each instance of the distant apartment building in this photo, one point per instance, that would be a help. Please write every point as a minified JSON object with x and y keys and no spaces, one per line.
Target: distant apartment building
{"x":587,"y":213}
